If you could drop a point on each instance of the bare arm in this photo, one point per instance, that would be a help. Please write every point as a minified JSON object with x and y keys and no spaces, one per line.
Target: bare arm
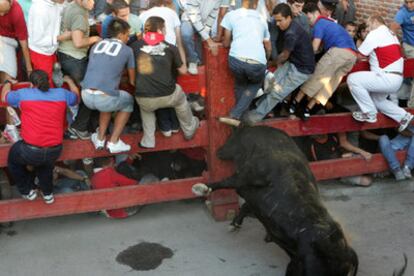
{"x":69,"y":173}
{"x":282,"y":57}
{"x":268,"y":48}
{"x":220,"y":29}
{"x":316,"y":43}
{"x":67,"y":35}
{"x":345,"y":144}
{"x":227,"y":38}
{"x":6,"y":89}
{"x":72,"y":85}
{"x":26,"y":55}
{"x":80,"y":41}
{"x":131,"y":76}
{"x":395,"y":27}
{"x":180,"y":45}
{"x":182,"y":69}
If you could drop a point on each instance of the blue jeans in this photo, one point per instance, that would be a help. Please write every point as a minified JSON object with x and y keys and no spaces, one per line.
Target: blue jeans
{"x":107,"y":103}
{"x":67,"y":185}
{"x":287,"y":79}
{"x":74,"y":68}
{"x":167,"y":119}
{"x":42,"y":159}
{"x":389,"y":147}
{"x":248,"y":78}
{"x":192,"y":42}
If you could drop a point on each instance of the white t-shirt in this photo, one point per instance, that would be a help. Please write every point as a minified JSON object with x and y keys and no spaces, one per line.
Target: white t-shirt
{"x":383,"y":49}
{"x":171,"y":21}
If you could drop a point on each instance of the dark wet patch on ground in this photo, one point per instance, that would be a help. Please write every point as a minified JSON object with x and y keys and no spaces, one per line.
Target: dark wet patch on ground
{"x":144,"y":256}
{"x":222,"y":260}
{"x":337,"y":198}
{"x":11,"y":233}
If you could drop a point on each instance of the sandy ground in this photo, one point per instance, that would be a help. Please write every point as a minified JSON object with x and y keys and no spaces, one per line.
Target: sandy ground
{"x":378,"y":220}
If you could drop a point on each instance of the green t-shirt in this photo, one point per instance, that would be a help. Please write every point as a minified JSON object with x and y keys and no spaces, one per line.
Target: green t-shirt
{"x":74,"y":18}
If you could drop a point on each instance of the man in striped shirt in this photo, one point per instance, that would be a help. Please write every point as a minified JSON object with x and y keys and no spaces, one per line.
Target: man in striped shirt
{"x":198,"y":18}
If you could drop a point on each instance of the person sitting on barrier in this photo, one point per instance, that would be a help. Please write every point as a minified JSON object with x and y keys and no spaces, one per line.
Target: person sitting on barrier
{"x":361,"y":34}
{"x":371,"y":89}
{"x":295,"y":64}
{"x":120,"y":9}
{"x":69,"y":181}
{"x":403,"y":141}
{"x":338,"y":60}
{"x":100,"y":88}
{"x":249,"y":40}
{"x":351,"y":27}
{"x":107,"y":177}
{"x":13,"y":32}
{"x":157,"y":62}
{"x":43,"y":112}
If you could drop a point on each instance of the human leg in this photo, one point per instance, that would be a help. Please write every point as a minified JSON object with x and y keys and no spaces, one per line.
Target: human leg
{"x":187,"y":32}
{"x":148,"y":121}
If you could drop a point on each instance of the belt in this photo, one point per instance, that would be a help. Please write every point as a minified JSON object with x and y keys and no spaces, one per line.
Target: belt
{"x":248,"y":60}
{"x":394,"y":72}
{"x":41,"y":148}
{"x":94,"y":91}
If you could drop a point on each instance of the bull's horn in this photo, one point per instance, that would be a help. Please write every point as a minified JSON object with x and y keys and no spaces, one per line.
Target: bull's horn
{"x":229,"y":121}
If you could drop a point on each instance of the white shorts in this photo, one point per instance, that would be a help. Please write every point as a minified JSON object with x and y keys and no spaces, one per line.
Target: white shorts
{"x":8,"y":60}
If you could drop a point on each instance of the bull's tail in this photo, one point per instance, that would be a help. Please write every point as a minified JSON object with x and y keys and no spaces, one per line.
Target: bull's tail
{"x":355,"y":263}
{"x":401,"y":271}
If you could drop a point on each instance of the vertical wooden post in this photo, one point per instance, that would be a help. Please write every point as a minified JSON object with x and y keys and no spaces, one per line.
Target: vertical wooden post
{"x":220,"y":99}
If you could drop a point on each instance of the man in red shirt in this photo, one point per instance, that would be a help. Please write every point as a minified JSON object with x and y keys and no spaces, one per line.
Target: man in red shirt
{"x":107,"y":177}
{"x":12,"y":28}
{"x":43,"y":112}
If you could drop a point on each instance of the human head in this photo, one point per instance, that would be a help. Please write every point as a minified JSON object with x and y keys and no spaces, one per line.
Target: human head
{"x":296,"y":6}
{"x":375,"y":21}
{"x":156,"y":3}
{"x":119,"y":28}
{"x":327,"y":7}
{"x":104,"y":162}
{"x":250,"y":4}
{"x":40,"y":80}
{"x":154,"y":24}
{"x":120,"y":9}
{"x":409,"y":4}
{"x":86,"y":4}
{"x":312,"y":12}
{"x":5,"y":6}
{"x":282,"y":14}
{"x":351,"y":28}
{"x":362,"y":31}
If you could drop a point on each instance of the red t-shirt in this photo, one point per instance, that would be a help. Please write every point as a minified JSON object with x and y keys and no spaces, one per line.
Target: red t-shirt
{"x":110,"y":178}
{"x":12,"y":24}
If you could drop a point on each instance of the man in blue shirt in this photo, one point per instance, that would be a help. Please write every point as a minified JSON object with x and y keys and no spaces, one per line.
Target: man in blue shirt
{"x":404,"y":20}
{"x":339,"y":58}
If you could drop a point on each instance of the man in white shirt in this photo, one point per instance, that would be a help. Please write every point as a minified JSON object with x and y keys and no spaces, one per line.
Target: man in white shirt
{"x":370,"y":89}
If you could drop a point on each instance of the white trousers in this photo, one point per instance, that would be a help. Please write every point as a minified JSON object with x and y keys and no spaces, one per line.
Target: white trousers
{"x":371,"y":89}
{"x":8,"y":60}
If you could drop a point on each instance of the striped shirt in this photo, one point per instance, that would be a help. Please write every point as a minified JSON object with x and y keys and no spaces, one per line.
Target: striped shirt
{"x":202,"y":14}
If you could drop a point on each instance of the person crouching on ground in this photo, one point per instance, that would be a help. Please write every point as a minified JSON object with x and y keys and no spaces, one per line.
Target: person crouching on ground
{"x":107,"y":62}
{"x":156,"y":87}
{"x":43,"y":113}
{"x":370,"y":89}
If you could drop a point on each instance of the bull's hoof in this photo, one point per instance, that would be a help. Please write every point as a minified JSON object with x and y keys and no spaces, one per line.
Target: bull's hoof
{"x":234,"y":228}
{"x":201,"y":189}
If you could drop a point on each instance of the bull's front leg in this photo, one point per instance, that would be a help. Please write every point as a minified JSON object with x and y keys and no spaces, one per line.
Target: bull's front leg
{"x":235,"y":225}
{"x":202,"y":189}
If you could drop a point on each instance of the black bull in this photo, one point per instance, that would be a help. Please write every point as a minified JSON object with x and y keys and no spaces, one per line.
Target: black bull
{"x":274,"y":178}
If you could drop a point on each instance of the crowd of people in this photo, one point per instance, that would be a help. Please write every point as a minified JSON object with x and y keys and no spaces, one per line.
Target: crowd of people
{"x":119,"y":59}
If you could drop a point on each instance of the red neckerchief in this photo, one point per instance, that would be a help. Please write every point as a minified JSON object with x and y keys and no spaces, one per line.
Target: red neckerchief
{"x":322,"y":17}
{"x":153,"y":38}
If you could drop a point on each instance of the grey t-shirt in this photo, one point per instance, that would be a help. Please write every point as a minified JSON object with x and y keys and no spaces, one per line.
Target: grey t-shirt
{"x":107,"y":61}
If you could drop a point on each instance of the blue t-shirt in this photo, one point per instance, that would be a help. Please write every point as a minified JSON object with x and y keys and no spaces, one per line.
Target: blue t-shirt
{"x":298,"y":42}
{"x":332,"y":34}
{"x":405,"y":18}
{"x":248,"y":32}
{"x":107,"y":61}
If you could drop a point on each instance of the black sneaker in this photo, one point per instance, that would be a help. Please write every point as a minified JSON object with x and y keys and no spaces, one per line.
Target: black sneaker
{"x":293,"y":107}
{"x":304,"y":114}
{"x":83,"y":135}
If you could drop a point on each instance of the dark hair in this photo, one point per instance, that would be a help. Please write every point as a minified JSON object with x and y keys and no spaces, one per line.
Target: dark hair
{"x":40,"y":80}
{"x":295,"y":1}
{"x":156,"y":3}
{"x":283,"y":9}
{"x":153,"y":24}
{"x":252,"y":3}
{"x":118,"y":5}
{"x":362,"y":27}
{"x":311,"y":8}
{"x":329,"y":5}
{"x":117,"y":26}
{"x":351,"y":23}
{"x":103,"y":161}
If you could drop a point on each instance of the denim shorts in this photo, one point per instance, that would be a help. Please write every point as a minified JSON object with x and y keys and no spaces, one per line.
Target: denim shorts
{"x":98,"y":100}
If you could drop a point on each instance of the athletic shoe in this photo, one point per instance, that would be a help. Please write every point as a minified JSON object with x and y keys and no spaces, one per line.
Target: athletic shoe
{"x":49,"y":199}
{"x":192,"y":68}
{"x":31,"y":195}
{"x":364,"y":117}
{"x":99,"y":144}
{"x":405,"y":122}
{"x":197,"y":124}
{"x":293,"y":106}
{"x":167,"y":133}
{"x":175,"y":130}
{"x":407,"y":172}
{"x":398,"y":174}
{"x":269,"y":81}
{"x":118,"y":147}
{"x":259,"y":93}
{"x":83,"y":135}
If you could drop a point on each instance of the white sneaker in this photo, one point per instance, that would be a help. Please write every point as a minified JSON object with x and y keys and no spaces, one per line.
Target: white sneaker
{"x":259,"y":93}
{"x":49,"y":199}
{"x":99,"y":144}
{"x":406,"y":121}
{"x":31,"y":195}
{"x":269,"y":81}
{"x":192,"y":68}
{"x":118,"y":147}
{"x":364,"y":117}
{"x":167,"y":133}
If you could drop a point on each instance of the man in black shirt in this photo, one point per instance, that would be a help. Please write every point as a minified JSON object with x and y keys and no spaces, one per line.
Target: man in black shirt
{"x":157,"y":62}
{"x":295,"y":64}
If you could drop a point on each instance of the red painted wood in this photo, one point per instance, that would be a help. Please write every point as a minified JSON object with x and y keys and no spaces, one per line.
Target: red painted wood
{"x":89,"y":201}
{"x":78,"y":149}
{"x":194,"y":83}
{"x":220,"y":99}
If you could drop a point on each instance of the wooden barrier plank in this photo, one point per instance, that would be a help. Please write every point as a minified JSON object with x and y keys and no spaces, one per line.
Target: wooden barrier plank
{"x":78,"y":149}
{"x":95,"y":200}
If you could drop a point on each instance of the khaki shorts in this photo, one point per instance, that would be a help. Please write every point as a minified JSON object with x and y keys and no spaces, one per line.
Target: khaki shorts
{"x":329,"y":71}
